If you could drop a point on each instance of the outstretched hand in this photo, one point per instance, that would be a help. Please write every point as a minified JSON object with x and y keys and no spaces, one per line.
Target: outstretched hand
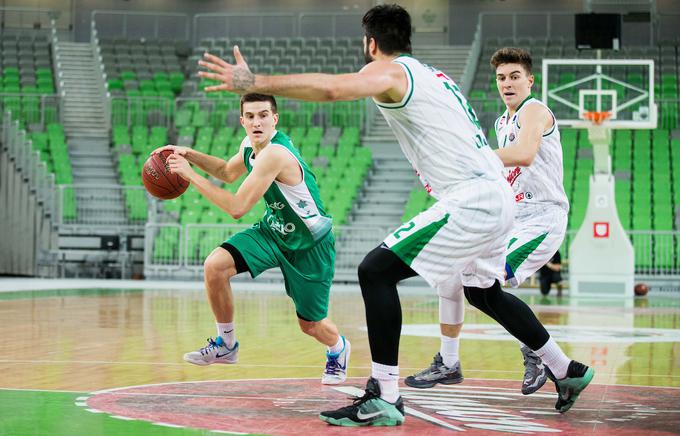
{"x":235,"y":78}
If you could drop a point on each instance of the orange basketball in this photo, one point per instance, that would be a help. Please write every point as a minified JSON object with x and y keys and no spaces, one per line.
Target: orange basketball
{"x":641,"y":289}
{"x":158,"y":179}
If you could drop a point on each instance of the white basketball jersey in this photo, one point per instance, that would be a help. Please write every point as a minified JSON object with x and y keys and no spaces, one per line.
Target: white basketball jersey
{"x":438,"y":130}
{"x":541,"y":183}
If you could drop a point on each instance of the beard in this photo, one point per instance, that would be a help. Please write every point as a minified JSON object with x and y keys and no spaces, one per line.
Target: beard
{"x":367,"y":56}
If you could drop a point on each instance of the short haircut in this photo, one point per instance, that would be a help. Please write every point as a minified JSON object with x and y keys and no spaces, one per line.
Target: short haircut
{"x":248,"y":98}
{"x":512,"y":55}
{"x":390,"y":27}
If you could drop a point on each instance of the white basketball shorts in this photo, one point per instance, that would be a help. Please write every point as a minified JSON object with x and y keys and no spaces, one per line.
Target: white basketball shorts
{"x":535,"y":237}
{"x":461,"y":238}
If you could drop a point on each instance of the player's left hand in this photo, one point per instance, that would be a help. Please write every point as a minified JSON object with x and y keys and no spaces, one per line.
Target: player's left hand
{"x":180,"y":166}
{"x":235,"y":78}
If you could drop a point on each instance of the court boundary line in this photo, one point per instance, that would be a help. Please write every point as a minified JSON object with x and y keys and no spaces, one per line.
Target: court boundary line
{"x":348,"y":378}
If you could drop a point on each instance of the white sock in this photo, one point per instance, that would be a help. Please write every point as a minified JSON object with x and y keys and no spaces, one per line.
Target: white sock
{"x":449,"y":350}
{"x":338,"y":347}
{"x":554,"y":358}
{"x":226,"y":331}
{"x":388,"y":378}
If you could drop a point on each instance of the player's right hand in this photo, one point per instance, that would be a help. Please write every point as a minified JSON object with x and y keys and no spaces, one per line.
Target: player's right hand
{"x":176,"y":149}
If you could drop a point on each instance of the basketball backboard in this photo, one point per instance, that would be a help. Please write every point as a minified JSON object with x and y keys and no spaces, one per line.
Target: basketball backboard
{"x":622,"y":87}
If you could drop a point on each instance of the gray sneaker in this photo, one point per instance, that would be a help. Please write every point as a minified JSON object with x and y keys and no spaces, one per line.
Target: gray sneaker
{"x":534,"y":371}
{"x":436,"y":373}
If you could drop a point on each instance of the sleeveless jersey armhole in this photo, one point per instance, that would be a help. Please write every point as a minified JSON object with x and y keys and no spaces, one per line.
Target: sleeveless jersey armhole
{"x":407,"y":96}
{"x":302,"y":170}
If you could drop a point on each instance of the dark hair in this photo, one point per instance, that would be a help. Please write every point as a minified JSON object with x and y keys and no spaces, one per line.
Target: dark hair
{"x":390,"y":27}
{"x":248,"y":98}
{"x":512,"y":55}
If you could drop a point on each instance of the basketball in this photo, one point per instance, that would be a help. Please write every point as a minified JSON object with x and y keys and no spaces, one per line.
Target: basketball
{"x":641,"y":289}
{"x":159,"y":181}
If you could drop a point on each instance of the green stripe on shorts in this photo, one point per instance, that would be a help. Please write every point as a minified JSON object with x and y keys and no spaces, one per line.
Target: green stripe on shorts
{"x":515,"y":259}
{"x":409,"y":248}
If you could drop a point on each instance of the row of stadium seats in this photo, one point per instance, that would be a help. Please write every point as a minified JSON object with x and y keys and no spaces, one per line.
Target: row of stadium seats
{"x":129,"y":63}
{"x":142,"y":57}
{"x":32,"y":111}
{"x":223,"y":109}
{"x":38,"y":81}
{"x":266,"y":55}
{"x":51,"y":144}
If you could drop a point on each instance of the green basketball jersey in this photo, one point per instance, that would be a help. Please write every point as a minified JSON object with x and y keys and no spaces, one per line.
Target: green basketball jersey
{"x":295,"y":215}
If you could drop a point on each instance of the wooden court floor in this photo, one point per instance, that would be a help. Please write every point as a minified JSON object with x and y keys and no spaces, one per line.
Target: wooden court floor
{"x":109,"y":361}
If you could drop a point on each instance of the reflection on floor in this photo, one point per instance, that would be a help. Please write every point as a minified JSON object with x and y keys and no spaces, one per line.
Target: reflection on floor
{"x":90,"y":340}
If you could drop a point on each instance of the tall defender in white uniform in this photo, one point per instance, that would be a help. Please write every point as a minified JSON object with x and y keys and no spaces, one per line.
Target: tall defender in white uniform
{"x":462,"y":237}
{"x":529,"y":145}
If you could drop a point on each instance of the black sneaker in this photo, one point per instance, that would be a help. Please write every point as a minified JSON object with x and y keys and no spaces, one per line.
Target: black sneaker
{"x":569,"y":388}
{"x":436,"y":373}
{"x":367,"y":410}
{"x":534,"y":371}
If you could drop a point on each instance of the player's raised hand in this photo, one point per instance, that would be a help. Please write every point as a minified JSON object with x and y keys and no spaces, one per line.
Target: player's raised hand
{"x":235,"y":78}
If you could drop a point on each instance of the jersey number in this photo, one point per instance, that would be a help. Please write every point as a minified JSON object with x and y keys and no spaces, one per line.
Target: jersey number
{"x":480,"y":140}
{"x":406,"y":228}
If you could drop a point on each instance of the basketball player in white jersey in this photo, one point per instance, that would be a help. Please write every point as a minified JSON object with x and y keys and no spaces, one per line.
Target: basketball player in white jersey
{"x":530,"y":148}
{"x":463,"y":234}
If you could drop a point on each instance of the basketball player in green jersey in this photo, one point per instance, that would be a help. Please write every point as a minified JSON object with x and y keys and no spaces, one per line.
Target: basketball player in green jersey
{"x":462,"y":237}
{"x":293,"y":235}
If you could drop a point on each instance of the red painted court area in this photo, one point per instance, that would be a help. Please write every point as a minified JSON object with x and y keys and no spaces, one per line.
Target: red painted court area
{"x":290,"y":407}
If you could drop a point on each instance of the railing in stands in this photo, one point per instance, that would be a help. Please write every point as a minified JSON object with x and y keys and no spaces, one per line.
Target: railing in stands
{"x":172,"y":248}
{"x":28,"y":206}
{"x":105,"y":95}
{"x":276,"y":24}
{"x":35,"y":117}
{"x":655,"y":251}
{"x":473,"y":59}
{"x":137,"y":24}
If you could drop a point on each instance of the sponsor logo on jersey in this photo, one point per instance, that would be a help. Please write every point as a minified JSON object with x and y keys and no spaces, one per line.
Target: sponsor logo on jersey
{"x":524,"y":196}
{"x":277,"y":205}
{"x":513,"y":174}
{"x":280,"y":226}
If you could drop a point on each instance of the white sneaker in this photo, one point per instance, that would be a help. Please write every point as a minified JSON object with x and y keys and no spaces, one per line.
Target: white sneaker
{"x":215,"y":352}
{"x":336,"y":365}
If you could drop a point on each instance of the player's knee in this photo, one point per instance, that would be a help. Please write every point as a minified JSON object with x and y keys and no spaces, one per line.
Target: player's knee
{"x":367,"y":270}
{"x":372,"y":267}
{"x":309,"y":327}
{"x":474,"y":296}
{"x":218,"y":266}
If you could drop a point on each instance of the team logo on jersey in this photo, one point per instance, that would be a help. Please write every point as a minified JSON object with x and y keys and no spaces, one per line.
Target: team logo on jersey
{"x":528,"y":195}
{"x":277,"y":205}
{"x":511,"y":136}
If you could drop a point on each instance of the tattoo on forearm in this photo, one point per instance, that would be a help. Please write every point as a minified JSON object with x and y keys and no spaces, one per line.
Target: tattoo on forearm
{"x":243,"y":80}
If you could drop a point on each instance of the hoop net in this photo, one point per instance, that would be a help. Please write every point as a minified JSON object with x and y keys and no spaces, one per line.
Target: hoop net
{"x":595,"y":117}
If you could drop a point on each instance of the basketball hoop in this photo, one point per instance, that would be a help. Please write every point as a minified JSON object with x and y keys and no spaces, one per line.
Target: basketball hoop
{"x":595,"y":117}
